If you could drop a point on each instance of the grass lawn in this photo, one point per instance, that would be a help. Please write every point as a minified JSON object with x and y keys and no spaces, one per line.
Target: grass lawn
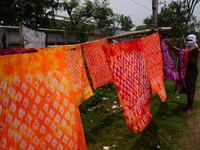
{"x":105,"y":125}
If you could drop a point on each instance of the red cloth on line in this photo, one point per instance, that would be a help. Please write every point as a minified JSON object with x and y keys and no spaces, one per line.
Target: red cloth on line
{"x":127,"y":63}
{"x":154,"y":60}
{"x":96,"y":62}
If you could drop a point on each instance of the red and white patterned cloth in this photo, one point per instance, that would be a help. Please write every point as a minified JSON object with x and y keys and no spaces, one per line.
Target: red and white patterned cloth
{"x":96,"y":63}
{"x":154,"y":60}
{"x":129,"y":71}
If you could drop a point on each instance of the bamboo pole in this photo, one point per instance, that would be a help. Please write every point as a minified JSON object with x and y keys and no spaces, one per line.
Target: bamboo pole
{"x":148,"y":31}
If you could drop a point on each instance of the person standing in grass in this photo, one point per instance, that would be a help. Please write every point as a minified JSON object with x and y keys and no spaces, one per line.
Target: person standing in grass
{"x":191,"y":71}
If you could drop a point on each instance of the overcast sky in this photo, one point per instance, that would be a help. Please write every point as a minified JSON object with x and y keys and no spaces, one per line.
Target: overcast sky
{"x":138,"y":9}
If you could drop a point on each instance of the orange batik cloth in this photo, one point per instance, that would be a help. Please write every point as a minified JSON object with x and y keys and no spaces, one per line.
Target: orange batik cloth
{"x":154,"y":60}
{"x":128,"y":66}
{"x":96,"y":63}
{"x":77,"y":73}
{"x":38,"y":109}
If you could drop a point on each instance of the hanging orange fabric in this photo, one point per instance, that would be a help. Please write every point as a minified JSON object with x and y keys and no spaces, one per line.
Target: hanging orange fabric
{"x":127,"y":63}
{"x":96,"y":63}
{"x":154,"y":60}
{"x":78,"y":76}
{"x":37,"y":103}
{"x":77,"y":72}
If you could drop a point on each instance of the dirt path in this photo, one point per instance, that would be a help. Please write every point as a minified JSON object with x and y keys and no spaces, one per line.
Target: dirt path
{"x":195,"y":123}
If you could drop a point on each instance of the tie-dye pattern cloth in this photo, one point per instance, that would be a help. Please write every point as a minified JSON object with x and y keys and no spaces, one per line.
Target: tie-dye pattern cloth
{"x":33,"y":38}
{"x":154,"y":60}
{"x":74,"y":60}
{"x":77,"y":73}
{"x":170,"y":71}
{"x":96,"y":63}
{"x":127,"y":63}
{"x":18,"y":49}
{"x":2,"y":53}
{"x":37,"y":103}
{"x":182,"y":65}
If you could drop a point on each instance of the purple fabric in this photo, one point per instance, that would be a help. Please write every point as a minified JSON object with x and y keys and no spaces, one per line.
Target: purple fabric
{"x":170,"y":71}
{"x":181,"y":68}
{"x":18,"y":52}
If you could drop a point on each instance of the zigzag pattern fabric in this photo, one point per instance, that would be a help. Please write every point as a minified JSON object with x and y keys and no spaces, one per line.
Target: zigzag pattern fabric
{"x":170,"y":71}
{"x":129,"y":71}
{"x":96,"y":62}
{"x":38,"y":108}
{"x":154,"y":60}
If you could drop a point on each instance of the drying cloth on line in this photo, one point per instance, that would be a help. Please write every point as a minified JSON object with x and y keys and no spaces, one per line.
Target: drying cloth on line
{"x":127,"y":63}
{"x":17,"y":49}
{"x":77,"y":73}
{"x":182,"y":65}
{"x":2,"y":53}
{"x":170,"y":71}
{"x":154,"y":60}
{"x":33,"y":38}
{"x":96,"y":63}
{"x":38,"y":108}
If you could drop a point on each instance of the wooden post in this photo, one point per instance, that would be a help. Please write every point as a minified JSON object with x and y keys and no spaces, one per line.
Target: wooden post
{"x":21,"y":35}
{"x":155,"y":10}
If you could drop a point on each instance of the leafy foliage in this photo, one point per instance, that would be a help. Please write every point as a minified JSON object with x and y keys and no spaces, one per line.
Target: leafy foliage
{"x":140,"y":27}
{"x":83,"y":20}
{"x":175,"y":15}
{"x":94,"y":18}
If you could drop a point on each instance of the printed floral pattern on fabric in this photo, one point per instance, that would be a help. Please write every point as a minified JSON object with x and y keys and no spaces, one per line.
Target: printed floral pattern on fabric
{"x":170,"y":71}
{"x":182,"y":65}
{"x":154,"y":61}
{"x":33,"y":38}
{"x":36,"y":112}
{"x":96,"y":62}
{"x":127,"y":63}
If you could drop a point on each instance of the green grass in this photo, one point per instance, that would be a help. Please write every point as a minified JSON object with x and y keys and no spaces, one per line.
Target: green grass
{"x":168,"y":129}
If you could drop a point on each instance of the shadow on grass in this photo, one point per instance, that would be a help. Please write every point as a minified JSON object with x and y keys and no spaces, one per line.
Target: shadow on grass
{"x":110,"y":119}
{"x":151,"y":137}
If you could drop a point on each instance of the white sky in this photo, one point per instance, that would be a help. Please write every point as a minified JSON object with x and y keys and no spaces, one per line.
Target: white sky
{"x":138,"y":9}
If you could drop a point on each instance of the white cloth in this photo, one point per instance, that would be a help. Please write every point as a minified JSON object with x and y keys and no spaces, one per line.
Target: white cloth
{"x":33,"y":38}
{"x":191,"y":41}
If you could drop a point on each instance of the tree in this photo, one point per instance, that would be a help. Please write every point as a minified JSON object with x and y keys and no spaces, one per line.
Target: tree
{"x":175,"y":15}
{"x":191,"y":6}
{"x":140,"y":27}
{"x":30,"y":12}
{"x":94,"y":18}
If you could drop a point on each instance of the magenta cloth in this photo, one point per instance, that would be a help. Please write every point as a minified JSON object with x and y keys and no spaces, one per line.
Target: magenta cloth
{"x":182,"y":63}
{"x":170,"y":71}
{"x":18,"y":52}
